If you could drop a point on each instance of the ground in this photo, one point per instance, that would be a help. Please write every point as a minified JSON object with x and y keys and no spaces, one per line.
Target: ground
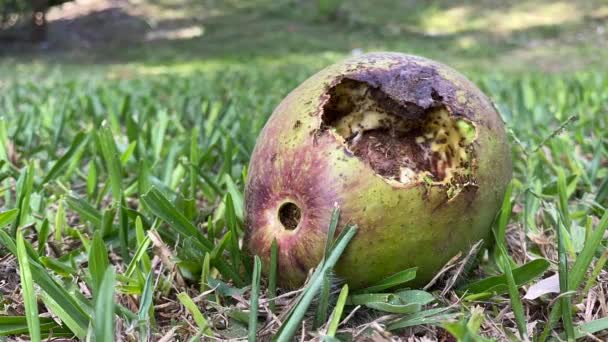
{"x":126,"y":139}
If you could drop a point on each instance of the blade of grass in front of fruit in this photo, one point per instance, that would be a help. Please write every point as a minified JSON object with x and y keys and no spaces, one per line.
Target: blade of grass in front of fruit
{"x":396,"y":279}
{"x":198,"y":317}
{"x":272,"y":275}
{"x":290,"y":326}
{"x":255,"y":296}
{"x":427,"y":317}
{"x":498,"y":284}
{"x":104,"y":308}
{"x":111,"y":157}
{"x":98,"y":261}
{"x":322,"y":302}
{"x":331,"y":230}
{"x":27,"y":289}
{"x":395,"y":308}
{"x":336,"y":315}
{"x":565,"y":300}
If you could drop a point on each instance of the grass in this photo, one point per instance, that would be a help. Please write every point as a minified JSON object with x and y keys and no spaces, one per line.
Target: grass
{"x":143,"y":178}
{"x":122,"y":204}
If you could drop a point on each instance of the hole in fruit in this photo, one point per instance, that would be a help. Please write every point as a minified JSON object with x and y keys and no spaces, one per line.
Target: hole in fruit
{"x":289,"y":215}
{"x":402,"y":143}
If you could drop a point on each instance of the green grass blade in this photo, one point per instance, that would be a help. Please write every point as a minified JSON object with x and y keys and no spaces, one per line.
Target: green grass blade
{"x":25,"y":185}
{"x":66,"y":306}
{"x":104,"y":308}
{"x":80,"y":141}
{"x":146,"y":309}
{"x":323,"y":303}
{"x":498,"y":284}
{"x":137,"y":257}
{"x":396,"y":279}
{"x":290,"y":326}
{"x":91,"y":179}
{"x":43,"y":236}
{"x":331,"y":230}
{"x":516,"y":304}
{"x":140,"y":235}
{"x":231,"y":222}
{"x":272,"y":275}
{"x":85,"y":210}
{"x":565,"y":300}
{"x":255,"y":295}
{"x":337,"y":313}
{"x":195,"y":312}
{"x":123,"y":230}
{"x":583,"y":260}
{"x":98,"y":261}
{"x":59,"y":221}
{"x":503,"y":218}
{"x":591,"y":327}
{"x":111,"y":157}
{"x":205,"y":272}
{"x":161,"y":207}
{"x":27,"y":290}
{"x":7,"y":217}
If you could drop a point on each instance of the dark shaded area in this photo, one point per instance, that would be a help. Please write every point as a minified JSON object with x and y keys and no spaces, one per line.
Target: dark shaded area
{"x":263,"y":29}
{"x":290,"y":215}
{"x":27,"y":15}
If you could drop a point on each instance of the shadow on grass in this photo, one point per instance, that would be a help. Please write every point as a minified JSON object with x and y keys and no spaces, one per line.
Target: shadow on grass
{"x":239,"y":32}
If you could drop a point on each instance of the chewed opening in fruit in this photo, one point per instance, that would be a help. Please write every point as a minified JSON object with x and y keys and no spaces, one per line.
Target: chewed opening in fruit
{"x":402,"y":143}
{"x":289,"y":215}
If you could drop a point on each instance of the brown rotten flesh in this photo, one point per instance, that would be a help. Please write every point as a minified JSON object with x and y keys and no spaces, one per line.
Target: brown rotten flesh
{"x":411,"y":152}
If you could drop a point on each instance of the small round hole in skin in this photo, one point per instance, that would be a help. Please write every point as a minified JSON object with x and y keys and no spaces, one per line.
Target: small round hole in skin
{"x":290,"y":215}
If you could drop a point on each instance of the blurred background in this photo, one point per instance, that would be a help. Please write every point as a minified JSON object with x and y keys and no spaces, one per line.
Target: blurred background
{"x":125,"y":36}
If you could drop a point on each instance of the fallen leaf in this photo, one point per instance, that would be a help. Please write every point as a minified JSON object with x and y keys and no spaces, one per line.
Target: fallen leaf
{"x":547,"y":285}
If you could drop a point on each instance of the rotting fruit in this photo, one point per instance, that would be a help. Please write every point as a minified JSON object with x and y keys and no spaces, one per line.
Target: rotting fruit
{"x":409,"y":150}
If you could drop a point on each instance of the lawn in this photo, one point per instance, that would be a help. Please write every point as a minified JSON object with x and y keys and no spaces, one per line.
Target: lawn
{"x":123,"y":175}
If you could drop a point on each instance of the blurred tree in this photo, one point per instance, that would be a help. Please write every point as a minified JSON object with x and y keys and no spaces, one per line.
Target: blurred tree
{"x":12,"y":11}
{"x":328,"y":9}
